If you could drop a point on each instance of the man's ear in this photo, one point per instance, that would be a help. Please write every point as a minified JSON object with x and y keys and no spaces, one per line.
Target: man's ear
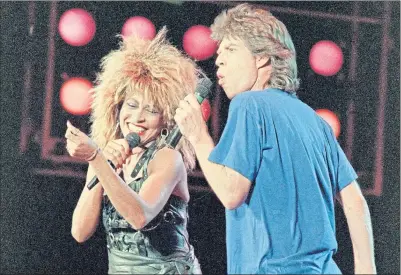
{"x":262,"y":61}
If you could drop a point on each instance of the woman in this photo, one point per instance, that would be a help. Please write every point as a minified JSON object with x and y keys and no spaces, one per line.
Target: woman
{"x":145,"y":212}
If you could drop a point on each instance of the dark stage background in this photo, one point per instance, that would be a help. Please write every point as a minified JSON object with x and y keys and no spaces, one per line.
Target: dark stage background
{"x":36,"y":205}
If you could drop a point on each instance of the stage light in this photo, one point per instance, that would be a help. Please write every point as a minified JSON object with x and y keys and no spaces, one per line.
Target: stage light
{"x":77,"y":27}
{"x":198,"y":44}
{"x":332,"y":119}
{"x":326,"y":58}
{"x":75,"y":97}
{"x":139,"y":26}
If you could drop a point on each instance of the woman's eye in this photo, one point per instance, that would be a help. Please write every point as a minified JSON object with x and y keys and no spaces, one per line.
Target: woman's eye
{"x":133,"y":105}
{"x":153,"y":111}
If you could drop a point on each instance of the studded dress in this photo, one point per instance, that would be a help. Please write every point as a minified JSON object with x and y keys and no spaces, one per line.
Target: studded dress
{"x":161,"y":247}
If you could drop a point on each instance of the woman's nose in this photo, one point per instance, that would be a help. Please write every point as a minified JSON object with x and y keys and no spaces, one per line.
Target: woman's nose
{"x":140,"y":116}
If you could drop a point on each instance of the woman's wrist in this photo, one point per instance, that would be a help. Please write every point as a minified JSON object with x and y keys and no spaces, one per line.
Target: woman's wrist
{"x":93,"y":156}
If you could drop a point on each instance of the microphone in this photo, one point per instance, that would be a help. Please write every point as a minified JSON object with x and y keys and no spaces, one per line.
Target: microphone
{"x":133,"y":141}
{"x":201,"y":92}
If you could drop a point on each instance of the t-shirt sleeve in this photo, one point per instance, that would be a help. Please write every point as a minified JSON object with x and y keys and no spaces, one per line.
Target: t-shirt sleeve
{"x":340,"y":168}
{"x":240,"y":145}
{"x":346,"y":173}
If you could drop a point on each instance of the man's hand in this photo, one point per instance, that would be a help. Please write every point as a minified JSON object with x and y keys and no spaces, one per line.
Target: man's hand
{"x":190,"y":120}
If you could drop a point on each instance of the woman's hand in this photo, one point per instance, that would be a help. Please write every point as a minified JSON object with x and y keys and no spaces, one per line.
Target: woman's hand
{"x":117,"y":151}
{"x":79,"y":145}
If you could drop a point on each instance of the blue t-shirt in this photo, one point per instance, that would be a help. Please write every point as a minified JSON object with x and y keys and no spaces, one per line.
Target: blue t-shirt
{"x":296,"y":167}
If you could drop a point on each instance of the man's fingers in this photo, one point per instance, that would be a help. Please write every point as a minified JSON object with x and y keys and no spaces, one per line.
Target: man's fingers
{"x":191,"y":99}
{"x":185,"y":105}
{"x":179,"y":115}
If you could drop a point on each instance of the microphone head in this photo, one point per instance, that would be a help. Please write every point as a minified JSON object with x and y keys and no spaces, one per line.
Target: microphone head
{"x":133,"y":140}
{"x":204,"y":87}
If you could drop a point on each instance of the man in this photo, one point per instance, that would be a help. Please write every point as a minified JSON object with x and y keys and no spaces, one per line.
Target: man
{"x":277,"y":168}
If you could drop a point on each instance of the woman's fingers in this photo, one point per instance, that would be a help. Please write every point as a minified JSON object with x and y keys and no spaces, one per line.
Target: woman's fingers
{"x":115,"y":151}
{"x":79,"y":145}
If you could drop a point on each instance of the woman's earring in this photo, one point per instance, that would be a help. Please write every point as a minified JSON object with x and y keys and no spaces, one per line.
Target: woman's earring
{"x":164,"y":132}
{"x":163,"y":136}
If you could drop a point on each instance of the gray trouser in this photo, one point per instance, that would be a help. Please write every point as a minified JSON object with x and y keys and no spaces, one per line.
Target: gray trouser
{"x":129,"y":263}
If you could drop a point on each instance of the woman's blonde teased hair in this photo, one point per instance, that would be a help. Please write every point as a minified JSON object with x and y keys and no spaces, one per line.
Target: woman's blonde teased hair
{"x":155,"y":69}
{"x":264,"y":35}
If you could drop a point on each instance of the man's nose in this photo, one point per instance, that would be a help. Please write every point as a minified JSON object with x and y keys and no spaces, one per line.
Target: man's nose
{"x":219,"y":61}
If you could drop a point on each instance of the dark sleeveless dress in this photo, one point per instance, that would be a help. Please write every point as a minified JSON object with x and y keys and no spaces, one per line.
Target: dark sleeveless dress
{"x":161,"y":247}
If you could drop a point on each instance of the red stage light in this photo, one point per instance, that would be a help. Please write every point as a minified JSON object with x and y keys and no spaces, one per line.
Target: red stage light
{"x":75,"y":97}
{"x":332,"y":119}
{"x":140,"y":26}
{"x":326,"y":58}
{"x":77,"y":27}
{"x":198,"y":44}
